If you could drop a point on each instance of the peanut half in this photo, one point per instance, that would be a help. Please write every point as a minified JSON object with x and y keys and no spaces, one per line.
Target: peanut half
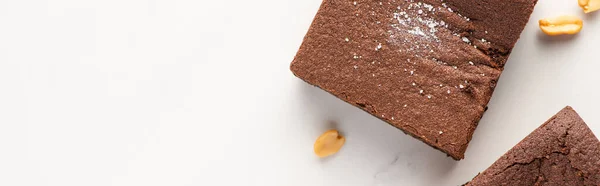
{"x":589,"y":5}
{"x":561,"y":25}
{"x":329,"y":143}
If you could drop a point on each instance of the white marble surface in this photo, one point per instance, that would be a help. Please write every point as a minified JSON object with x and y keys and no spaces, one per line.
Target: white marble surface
{"x":188,"y":92}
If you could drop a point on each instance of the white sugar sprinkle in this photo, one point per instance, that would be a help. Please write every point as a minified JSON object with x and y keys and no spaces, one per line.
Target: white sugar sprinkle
{"x":441,"y":132}
{"x":420,"y":91}
{"x":420,"y":12}
{"x":432,"y":25}
{"x":405,"y":105}
{"x":471,"y":63}
{"x":354,"y":2}
{"x":347,"y":39}
{"x":466,"y":40}
{"x":461,"y":86}
{"x":414,"y":84}
{"x":448,"y":91}
{"x":392,"y":118}
{"x":412,"y":72}
{"x":355,"y":67}
{"x":378,"y":47}
{"x":428,"y":6}
{"x":428,"y":96}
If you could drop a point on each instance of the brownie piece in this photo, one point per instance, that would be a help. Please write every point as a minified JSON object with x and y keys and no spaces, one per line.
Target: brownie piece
{"x":563,"y":151}
{"x":426,"y":67}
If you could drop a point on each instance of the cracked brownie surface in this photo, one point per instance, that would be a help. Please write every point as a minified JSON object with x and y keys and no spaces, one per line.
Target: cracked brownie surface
{"x":563,"y":151}
{"x":426,"y":67}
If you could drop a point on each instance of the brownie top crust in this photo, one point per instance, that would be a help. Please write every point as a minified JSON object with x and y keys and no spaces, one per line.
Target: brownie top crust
{"x":563,"y":151}
{"x":426,"y":67}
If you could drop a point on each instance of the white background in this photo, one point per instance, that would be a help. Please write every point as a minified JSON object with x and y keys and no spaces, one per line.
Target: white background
{"x":188,"y":92}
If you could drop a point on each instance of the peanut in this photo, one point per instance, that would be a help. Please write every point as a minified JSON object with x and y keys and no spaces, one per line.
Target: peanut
{"x":561,"y":25}
{"x":329,"y":143}
{"x":589,"y":5}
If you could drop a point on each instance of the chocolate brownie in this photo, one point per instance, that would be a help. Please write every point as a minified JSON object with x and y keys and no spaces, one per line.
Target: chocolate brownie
{"x":563,"y":151}
{"x":427,"y":67}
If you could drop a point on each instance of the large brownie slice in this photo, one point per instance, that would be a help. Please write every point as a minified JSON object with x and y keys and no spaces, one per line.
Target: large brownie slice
{"x":563,"y":151}
{"x":427,"y":67}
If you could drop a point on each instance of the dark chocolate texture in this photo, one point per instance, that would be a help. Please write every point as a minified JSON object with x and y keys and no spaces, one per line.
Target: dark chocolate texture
{"x":563,"y":151}
{"x":426,"y":67}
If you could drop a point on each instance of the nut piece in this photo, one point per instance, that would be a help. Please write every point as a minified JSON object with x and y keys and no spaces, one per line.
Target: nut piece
{"x":329,"y":143}
{"x":561,"y":25}
{"x":589,"y":5}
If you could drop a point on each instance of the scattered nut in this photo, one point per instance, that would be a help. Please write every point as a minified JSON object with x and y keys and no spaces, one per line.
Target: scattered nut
{"x":589,"y":5}
{"x":329,"y":143}
{"x":561,"y":25}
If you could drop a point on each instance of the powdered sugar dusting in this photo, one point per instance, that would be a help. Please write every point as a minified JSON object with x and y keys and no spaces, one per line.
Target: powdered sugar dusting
{"x":416,"y":19}
{"x":416,"y":29}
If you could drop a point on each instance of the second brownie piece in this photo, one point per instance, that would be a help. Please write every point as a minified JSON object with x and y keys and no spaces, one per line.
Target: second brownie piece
{"x":427,"y":67}
{"x":563,"y":151}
